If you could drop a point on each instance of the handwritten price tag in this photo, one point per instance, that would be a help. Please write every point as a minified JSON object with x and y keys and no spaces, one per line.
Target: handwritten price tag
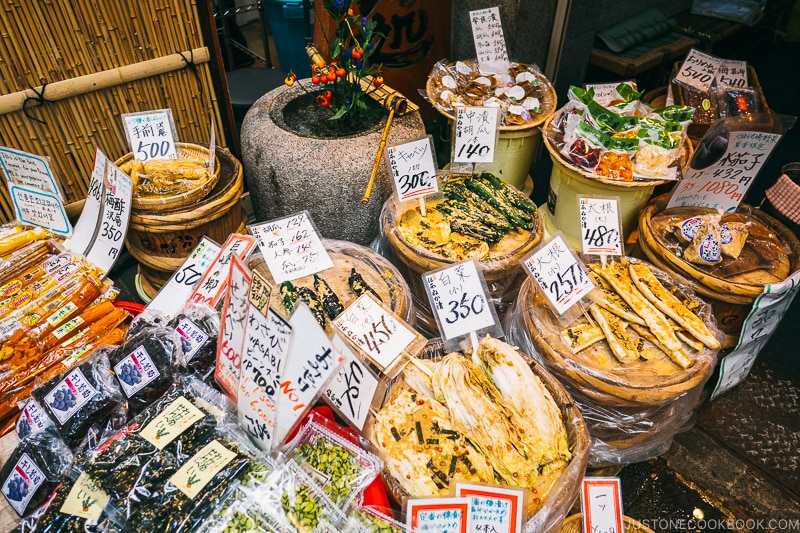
{"x":475,"y":134}
{"x":493,"y":508}
{"x":732,"y":73}
{"x":559,"y":273}
{"x":291,"y":247}
{"x":437,"y":515}
{"x":698,"y":69}
{"x":173,"y":296}
{"x":110,"y":239}
{"x":352,"y":388}
{"x":413,"y":169}
{"x":151,"y":134}
{"x":90,"y":214}
{"x":377,"y":332}
{"x":235,"y":312}
{"x":460,"y":299}
{"x":211,"y":287}
{"x":601,"y":505}
{"x":600,"y":228}
{"x":721,"y":172}
{"x":487,"y":34}
{"x":29,"y":171}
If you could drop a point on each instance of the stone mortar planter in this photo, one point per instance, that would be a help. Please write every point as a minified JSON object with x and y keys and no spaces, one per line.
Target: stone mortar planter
{"x":286,"y":172}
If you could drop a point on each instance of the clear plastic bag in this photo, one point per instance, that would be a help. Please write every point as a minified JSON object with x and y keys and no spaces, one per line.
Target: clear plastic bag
{"x":198,"y":328}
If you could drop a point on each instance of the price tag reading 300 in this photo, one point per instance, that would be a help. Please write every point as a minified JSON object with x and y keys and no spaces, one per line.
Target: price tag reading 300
{"x":459,"y":299}
{"x":413,"y":169}
{"x":560,"y":274}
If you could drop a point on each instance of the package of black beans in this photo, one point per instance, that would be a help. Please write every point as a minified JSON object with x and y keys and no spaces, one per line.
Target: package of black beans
{"x":198,"y":328}
{"x":32,"y":419}
{"x":34,"y":470}
{"x":83,"y":402}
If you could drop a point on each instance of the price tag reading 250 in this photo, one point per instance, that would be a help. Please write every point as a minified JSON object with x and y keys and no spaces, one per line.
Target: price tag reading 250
{"x":559,"y":274}
{"x":459,"y":299}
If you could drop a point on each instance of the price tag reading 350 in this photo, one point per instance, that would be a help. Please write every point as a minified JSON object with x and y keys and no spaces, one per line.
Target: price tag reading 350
{"x":559,"y":273}
{"x":413,"y":169}
{"x":476,"y":134}
{"x":381,"y":336}
{"x":459,"y":299}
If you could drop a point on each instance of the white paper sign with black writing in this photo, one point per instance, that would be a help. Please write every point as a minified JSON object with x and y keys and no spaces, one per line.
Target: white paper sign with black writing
{"x":698,"y":69}
{"x":38,"y":208}
{"x":732,"y":73}
{"x":723,"y":167}
{"x":601,"y":504}
{"x":311,"y":362}
{"x":29,"y":171}
{"x":235,"y":312}
{"x":172,"y":297}
{"x":151,"y":134}
{"x":110,"y":239}
{"x":85,"y":229}
{"x":487,"y":34}
{"x":475,"y":134}
{"x":559,"y":273}
{"x":352,"y":388}
{"x":292,"y":247}
{"x":600,"y":226}
{"x":766,"y":314}
{"x":413,"y":169}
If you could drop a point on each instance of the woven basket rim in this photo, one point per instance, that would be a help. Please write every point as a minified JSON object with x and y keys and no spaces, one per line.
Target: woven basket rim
{"x":573,"y":524}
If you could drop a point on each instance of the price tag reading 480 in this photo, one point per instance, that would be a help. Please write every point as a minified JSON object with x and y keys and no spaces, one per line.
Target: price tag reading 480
{"x":559,"y":274}
{"x":459,"y":299}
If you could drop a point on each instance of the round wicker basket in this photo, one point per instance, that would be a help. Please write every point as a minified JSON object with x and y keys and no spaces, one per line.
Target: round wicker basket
{"x":574,"y":524}
{"x":160,"y":203}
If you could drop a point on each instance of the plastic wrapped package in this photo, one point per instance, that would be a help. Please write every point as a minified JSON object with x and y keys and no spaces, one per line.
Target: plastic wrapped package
{"x":356,"y":269}
{"x":34,"y":469}
{"x":638,"y":390}
{"x":33,"y":419}
{"x":499,"y":416}
{"x":478,"y":216}
{"x":198,"y":328}
{"x":84,"y":401}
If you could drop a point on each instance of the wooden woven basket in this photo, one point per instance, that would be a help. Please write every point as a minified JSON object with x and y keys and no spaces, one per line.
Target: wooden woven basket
{"x":574,"y":524}
{"x":161,"y":203}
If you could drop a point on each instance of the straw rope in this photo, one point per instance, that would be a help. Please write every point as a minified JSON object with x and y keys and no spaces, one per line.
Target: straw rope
{"x":68,"y":69}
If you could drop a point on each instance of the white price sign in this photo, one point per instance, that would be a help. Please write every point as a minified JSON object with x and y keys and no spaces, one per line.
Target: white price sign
{"x":413,"y":169}
{"x":698,"y":69}
{"x":151,"y":134}
{"x":90,"y":214}
{"x":29,"y":171}
{"x":601,"y":504}
{"x":352,"y":388}
{"x":723,"y":167}
{"x":381,"y":335}
{"x":173,"y":296}
{"x":493,"y":508}
{"x":475,"y":134}
{"x":110,"y":239}
{"x":38,"y":208}
{"x":600,"y":228}
{"x":235,"y":312}
{"x":211,"y":287}
{"x":291,"y":247}
{"x":762,"y":321}
{"x":732,"y":73}
{"x":459,"y":299}
{"x":487,"y":34}
{"x":559,"y":274}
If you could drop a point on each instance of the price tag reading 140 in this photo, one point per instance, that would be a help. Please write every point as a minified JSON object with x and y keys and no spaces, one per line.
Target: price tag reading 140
{"x":475,"y":135}
{"x":559,"y":274}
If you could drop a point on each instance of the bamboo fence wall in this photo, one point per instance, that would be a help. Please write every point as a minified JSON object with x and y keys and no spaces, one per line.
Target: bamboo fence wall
{"x":69,"y":68}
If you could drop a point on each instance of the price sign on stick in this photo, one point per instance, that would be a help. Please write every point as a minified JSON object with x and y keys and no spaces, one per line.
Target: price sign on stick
{"x":213,"y":284}
{"x":151,"y":134}
{"x":698,"y":69}
{"x":381,"y":335}
{"x":559,"y":274}
{"x":723,"y":167}
{"x":173,"y":296}
{"x":235,"y":312}
{"x":413,"y":169}
{"x":732,"y":73}
{"x":600,"y":227}
{"x":352,"y":388}
{"x":113,"y":226}
{"x":291,"y":247}
{"x":601,"y":504}
{"x":461,"y":302}
{"x":90,"y":214}
{"x":487,"y":34}
{"x":493,"y":508}
{"x":437,"y":515}
{"x":475,"y":134}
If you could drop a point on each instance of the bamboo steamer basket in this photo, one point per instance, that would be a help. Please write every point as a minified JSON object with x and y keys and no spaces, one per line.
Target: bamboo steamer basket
{"x":574,"y":524}
{"x":732,"y":297}
{"x":555,"y":505}
{"x":162,"y":240}
{"x":641,"y":385}
{"x":160,"y":203}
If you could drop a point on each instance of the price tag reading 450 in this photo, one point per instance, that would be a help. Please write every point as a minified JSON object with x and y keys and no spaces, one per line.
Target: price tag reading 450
{"x":460,"y":301}
{"x":559,"y":273}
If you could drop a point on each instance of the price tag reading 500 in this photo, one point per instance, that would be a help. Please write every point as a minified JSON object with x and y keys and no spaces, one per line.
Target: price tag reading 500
{"x":459,"y":299}
{"x":151,"y":135}
{"x":559,"y":274}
